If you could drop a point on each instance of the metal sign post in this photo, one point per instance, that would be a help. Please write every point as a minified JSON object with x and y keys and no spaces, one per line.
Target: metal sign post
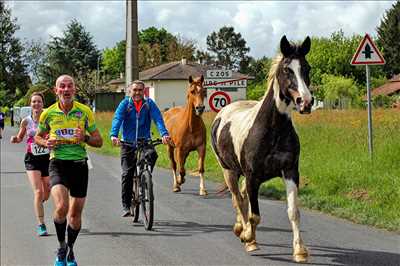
{"x":368,"y":54}
{"x":370,"y":147}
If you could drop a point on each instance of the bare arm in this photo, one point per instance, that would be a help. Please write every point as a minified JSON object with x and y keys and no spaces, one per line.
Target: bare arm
{"x":95,"y":139}
{"x":21,"y":133}
{"x":42,"y":140}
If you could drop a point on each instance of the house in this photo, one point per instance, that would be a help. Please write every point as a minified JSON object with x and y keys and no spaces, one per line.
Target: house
{"x":392,"y":87}
{"x":166,"y":84}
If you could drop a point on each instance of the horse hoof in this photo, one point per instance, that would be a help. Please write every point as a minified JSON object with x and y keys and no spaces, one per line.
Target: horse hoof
{"x":237,"y":229}
{"x":252,"y":246}
{"x":176,"y":189}
{"x":203,"y":192}
{"x":300,"y":254}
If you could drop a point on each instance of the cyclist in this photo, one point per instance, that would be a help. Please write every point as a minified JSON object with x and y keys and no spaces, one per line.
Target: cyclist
{"x":2,"y":118}
{"x":36,"y":160}
{"x":134,"y":114}
{"x":66,"y":122}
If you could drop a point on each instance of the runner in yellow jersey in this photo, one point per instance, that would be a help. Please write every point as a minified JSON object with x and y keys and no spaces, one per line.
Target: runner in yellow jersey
{"x":67,"y":122}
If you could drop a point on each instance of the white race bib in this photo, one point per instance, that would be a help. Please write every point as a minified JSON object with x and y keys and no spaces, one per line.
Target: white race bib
{"x":38,"y":150}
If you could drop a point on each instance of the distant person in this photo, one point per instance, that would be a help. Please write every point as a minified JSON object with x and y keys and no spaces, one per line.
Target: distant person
{"x":133,"y":115}
{"x":36,"y":160}
{"x":67,"y":122}
{"x":12,"y":116}
{"x":2,"y":117}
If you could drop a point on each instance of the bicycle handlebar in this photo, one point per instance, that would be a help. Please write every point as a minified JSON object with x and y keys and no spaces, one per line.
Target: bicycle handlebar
{"x":141,"y":142}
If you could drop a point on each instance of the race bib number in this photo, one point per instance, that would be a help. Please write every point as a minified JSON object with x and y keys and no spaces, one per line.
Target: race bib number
{"x":39,"y":150}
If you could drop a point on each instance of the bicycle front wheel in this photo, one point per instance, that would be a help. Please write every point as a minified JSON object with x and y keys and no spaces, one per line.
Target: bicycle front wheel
{"x":135,"y":200}
{"x":147,"y":200}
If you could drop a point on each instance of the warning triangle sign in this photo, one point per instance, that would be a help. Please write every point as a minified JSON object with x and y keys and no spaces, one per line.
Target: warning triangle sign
{"x":367,"y":53}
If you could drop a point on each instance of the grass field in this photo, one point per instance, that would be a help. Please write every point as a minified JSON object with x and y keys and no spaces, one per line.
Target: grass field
{"x":337,"y":175}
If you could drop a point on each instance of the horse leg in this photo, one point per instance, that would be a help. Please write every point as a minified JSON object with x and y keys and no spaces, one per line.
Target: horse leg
{"x":175,"y":188}
{"x":251,"y":188}
{"x":231,"y":180}
{"x":201,"y":150}
{"x":300,"y":252}
{"x":181,"y":158}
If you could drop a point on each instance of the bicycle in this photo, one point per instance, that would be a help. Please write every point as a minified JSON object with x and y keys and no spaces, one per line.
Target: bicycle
{"x":142,"y":191}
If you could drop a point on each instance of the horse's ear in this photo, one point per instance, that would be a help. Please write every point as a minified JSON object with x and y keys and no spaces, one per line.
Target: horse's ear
{"x":286,"y":48}
{"x":202,"y":78}
{"x":305,"y":46}
{"x":190,"y":79}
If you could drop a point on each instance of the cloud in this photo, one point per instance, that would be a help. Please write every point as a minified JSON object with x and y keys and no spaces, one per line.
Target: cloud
{"x":261,"y":23}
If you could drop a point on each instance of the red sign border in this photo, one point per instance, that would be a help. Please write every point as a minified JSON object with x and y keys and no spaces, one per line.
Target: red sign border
{"x":212,"y":96}
{"x":353,"y":60}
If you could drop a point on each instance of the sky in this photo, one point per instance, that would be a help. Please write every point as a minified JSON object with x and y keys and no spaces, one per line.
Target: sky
{"x":261,"y":23}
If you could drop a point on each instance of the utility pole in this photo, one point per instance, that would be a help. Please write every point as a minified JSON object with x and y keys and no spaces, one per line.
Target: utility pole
{"x":131,"y":59}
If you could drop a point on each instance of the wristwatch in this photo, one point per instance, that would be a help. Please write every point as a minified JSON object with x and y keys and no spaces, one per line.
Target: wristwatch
{"x":87,"y":137}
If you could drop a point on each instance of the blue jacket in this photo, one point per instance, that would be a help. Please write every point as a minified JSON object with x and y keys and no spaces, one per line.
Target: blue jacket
{"x":126,"y":117}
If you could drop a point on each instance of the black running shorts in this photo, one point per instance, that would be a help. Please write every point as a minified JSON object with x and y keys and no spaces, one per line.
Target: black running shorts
{"x":72,"y":174}
{"x":37,"y":162}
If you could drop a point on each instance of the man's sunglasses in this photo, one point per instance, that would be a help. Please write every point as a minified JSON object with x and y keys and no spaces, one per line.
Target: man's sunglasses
{"x":137,"y":90}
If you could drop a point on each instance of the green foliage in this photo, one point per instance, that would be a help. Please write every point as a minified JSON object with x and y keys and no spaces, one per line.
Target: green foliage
{"x":229,"y":48}
{"x":259,"y":69}
{"x":73,"y":53}
{"x":13,"y":72}
{"x":389,"y":40}
{"x":333,"y":55}
{"x":48,"y":93}
{"x":378,"y":81}
{"x":256,"y":90}
{"x":339,"y":87}
{"x":156,"y":47}
{"x":35,"y":55}
{"x":113,"y":62}
{"x":384,"y":101}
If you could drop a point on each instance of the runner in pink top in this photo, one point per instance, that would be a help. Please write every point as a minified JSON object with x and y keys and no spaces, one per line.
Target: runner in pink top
{"x":36,"y":160}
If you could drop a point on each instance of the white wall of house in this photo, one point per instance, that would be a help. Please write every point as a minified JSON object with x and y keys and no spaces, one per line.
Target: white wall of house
{"x":170,"y":93}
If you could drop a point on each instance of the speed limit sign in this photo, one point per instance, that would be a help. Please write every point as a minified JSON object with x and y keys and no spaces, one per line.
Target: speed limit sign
{"x":218,"y":100}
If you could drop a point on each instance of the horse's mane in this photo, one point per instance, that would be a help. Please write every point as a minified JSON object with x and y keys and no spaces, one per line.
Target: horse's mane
{"x":272,"y":72}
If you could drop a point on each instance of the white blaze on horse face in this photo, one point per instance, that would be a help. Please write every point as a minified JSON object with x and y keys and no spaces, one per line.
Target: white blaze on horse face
{"x":282,"y":107}
{"x":302,"y":87}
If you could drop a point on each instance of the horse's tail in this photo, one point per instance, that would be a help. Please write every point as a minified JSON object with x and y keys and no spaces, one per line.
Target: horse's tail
{"x":222,"y":189}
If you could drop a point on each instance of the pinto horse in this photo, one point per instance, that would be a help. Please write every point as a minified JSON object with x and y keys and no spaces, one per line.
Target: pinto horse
{"x":188,"y":133}
{"x":256,"y":139}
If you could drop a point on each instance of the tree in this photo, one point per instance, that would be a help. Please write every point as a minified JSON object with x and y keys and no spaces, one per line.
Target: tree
{"x":389,"y":40}
{"x":157,"y":37}
{"x":204,"y":57}
{"x":14,"y":79}
{"x":73,"y":53}
{"x":156,"y":47}
{"x":336,"y":88}
{"x":113,"y":62}
{"x":229,"y":48}
{"x":35,"y":55}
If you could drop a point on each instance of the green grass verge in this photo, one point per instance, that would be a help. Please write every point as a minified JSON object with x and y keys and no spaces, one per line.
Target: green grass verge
{"x":337,"y":175}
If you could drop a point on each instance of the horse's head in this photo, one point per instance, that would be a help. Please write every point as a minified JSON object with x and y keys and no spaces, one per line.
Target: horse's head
{"x":293,"y":75}
{"x":196,"y":94}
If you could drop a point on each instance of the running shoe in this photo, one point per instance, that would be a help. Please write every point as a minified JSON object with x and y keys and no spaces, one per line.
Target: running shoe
{"x":71,"y":259}
{"x":41,"y":230}
{"x":61,"y":257}
{"x":126,"y":212}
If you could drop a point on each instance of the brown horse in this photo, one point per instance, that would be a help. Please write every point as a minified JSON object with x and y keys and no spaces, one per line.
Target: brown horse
{"x":188,"y":133}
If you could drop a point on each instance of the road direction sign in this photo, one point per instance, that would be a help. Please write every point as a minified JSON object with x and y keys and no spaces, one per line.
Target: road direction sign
{"x":225,"y":83}
{"x":218,"y":100}
{"x":367,"y":53}
{"x":219,"y":74}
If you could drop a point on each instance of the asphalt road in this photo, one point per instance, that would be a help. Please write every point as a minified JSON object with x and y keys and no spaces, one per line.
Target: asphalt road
{"x":188,"y":229}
